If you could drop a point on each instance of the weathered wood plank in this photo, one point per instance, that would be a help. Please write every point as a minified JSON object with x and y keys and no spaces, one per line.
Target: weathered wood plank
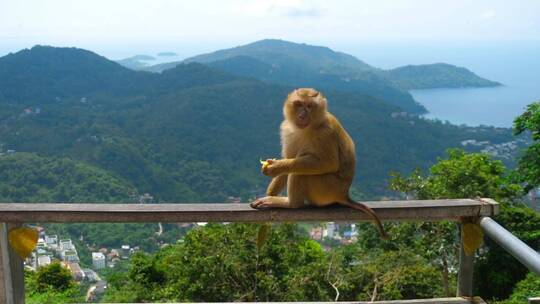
{"x":419,"y":210}
{"x":12,"y":283}
{"x":466,"y":271}
{"x":3,"y":252}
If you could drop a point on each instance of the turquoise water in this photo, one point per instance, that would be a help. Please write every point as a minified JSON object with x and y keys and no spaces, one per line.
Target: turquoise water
{"x":516,"y":65}
{"x":483,"y":106}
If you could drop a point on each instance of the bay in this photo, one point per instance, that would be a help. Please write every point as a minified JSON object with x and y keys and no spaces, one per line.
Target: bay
{"x":515,"y":64}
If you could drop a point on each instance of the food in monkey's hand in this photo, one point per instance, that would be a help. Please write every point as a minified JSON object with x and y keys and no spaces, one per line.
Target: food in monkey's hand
{"x":264,"y":163}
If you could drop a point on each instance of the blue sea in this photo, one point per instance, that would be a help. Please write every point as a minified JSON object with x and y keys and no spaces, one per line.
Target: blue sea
{"x":515,"y":65}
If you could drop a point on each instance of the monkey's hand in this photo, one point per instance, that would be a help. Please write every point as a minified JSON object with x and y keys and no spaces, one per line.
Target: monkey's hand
{"x":274,"y":167}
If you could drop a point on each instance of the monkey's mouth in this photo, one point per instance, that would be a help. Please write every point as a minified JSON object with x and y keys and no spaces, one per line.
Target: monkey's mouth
{"x":302,"y":123}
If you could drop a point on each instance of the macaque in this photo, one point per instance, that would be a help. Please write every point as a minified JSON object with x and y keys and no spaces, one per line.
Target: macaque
{"x":318,"y":159}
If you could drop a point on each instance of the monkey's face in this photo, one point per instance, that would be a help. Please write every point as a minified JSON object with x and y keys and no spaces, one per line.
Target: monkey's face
{"x":303,"y":112}
{"x":305,"y":107}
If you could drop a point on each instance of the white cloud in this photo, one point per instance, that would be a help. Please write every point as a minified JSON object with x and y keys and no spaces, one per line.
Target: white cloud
{"x":286,"y":8}
{"x":209,"y":24}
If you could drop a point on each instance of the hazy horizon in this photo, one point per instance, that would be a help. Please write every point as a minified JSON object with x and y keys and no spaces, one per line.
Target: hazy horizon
{"x":121,"y":29}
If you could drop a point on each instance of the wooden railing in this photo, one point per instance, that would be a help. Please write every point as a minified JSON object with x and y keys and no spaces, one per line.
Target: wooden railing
{"x":14,"y":215}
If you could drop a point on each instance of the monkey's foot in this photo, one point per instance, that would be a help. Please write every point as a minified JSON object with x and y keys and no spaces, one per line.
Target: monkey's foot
{"x":270,"y":202}
{"x":262,"y":203}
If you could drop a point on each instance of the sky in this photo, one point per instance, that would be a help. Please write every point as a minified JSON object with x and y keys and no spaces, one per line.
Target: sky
{"x":119,"y":28}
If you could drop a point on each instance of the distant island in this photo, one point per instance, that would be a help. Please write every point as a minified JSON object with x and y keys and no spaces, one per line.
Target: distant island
{"x":437,"y":75}
{"x":136,"y":62}
{"x":167,"y":54}
{"x":142,"y":57}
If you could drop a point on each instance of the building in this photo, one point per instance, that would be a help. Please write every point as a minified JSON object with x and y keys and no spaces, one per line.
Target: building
{"x":66,"y":245}
{"x":316,"y":233}
{"x":91,"y":275}
{"x":125,"y":251}
{"x":98,"y":260}
{"x":330,"y":230}
{"x":76,"y":271}
{"x":70,"y":256}
{"x":113,"y":254}
{"x":51,"y":241}
{"x":354,"y":230}
{"x":43,"y":260}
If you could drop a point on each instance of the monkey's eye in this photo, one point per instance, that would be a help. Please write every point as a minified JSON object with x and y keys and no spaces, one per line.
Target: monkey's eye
{"x":310,"y":106}
{"x":297,"y":103}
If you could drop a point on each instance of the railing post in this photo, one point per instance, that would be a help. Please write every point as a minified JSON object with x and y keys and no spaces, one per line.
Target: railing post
{"x":466,"y":269}
{"x":11,"y":270}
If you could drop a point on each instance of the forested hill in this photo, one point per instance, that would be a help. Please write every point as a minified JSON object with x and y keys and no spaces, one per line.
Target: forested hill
{"x":29,"y":178}
{"x":47,"y":73}
{"x":438,"y":75}
{"x":280,"y":52}
{"x":299,"y":65}
{"x":192,"y":133}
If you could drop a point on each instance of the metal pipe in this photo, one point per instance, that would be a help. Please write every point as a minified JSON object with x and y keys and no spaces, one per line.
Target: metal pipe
{"x":521,"y":251}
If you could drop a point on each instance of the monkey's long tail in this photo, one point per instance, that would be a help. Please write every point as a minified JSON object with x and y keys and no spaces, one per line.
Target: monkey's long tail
{"x":359,"y":206}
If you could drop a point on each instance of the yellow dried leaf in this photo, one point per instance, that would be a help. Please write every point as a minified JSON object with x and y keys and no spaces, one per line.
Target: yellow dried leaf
{"x":23,"y":240}
{"x":262,"y":235}
{"x":471,"y":237}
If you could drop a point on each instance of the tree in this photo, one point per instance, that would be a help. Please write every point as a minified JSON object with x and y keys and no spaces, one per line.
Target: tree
{"x":527,"y":288}
{"x":474,"y":175}
{"x":51,"y":284}
{"x":392,"y":275}
{"x":462,"y":175}
{"x":223,"y":263}
{"x":493,"y":281}
{"x":53,"y":277}
{"x":529,"y":164}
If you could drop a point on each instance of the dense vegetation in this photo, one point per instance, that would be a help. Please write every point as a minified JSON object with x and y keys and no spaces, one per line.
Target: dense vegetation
{"x":52,"y":284}
{"x":29,"y":178}
{"x":438,"y":75}
{"x":529,"y":164}
{"x":192,"y":132}
{"x":234,"y":263}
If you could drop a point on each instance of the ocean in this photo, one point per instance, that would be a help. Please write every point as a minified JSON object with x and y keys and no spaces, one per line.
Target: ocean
{"x":516,"y":65}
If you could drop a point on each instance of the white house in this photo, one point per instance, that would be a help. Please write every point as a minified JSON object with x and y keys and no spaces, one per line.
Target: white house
{"x":98,"y":260}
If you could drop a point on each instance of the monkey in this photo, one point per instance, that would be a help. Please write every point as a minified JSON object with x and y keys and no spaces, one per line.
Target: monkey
{"x":318,"y":161}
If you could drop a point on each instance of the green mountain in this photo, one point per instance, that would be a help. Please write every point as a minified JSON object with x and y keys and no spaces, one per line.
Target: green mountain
{"x":437,"y":75}
{"x":192,"y":133}
{"x":300,"y":65}
{"x":318,"y":59}
{"x":26,"y":177}
{"x":48,"y":74}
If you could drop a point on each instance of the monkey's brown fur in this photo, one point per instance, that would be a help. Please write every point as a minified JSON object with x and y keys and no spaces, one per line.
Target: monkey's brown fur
{"x":318,"y":158}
